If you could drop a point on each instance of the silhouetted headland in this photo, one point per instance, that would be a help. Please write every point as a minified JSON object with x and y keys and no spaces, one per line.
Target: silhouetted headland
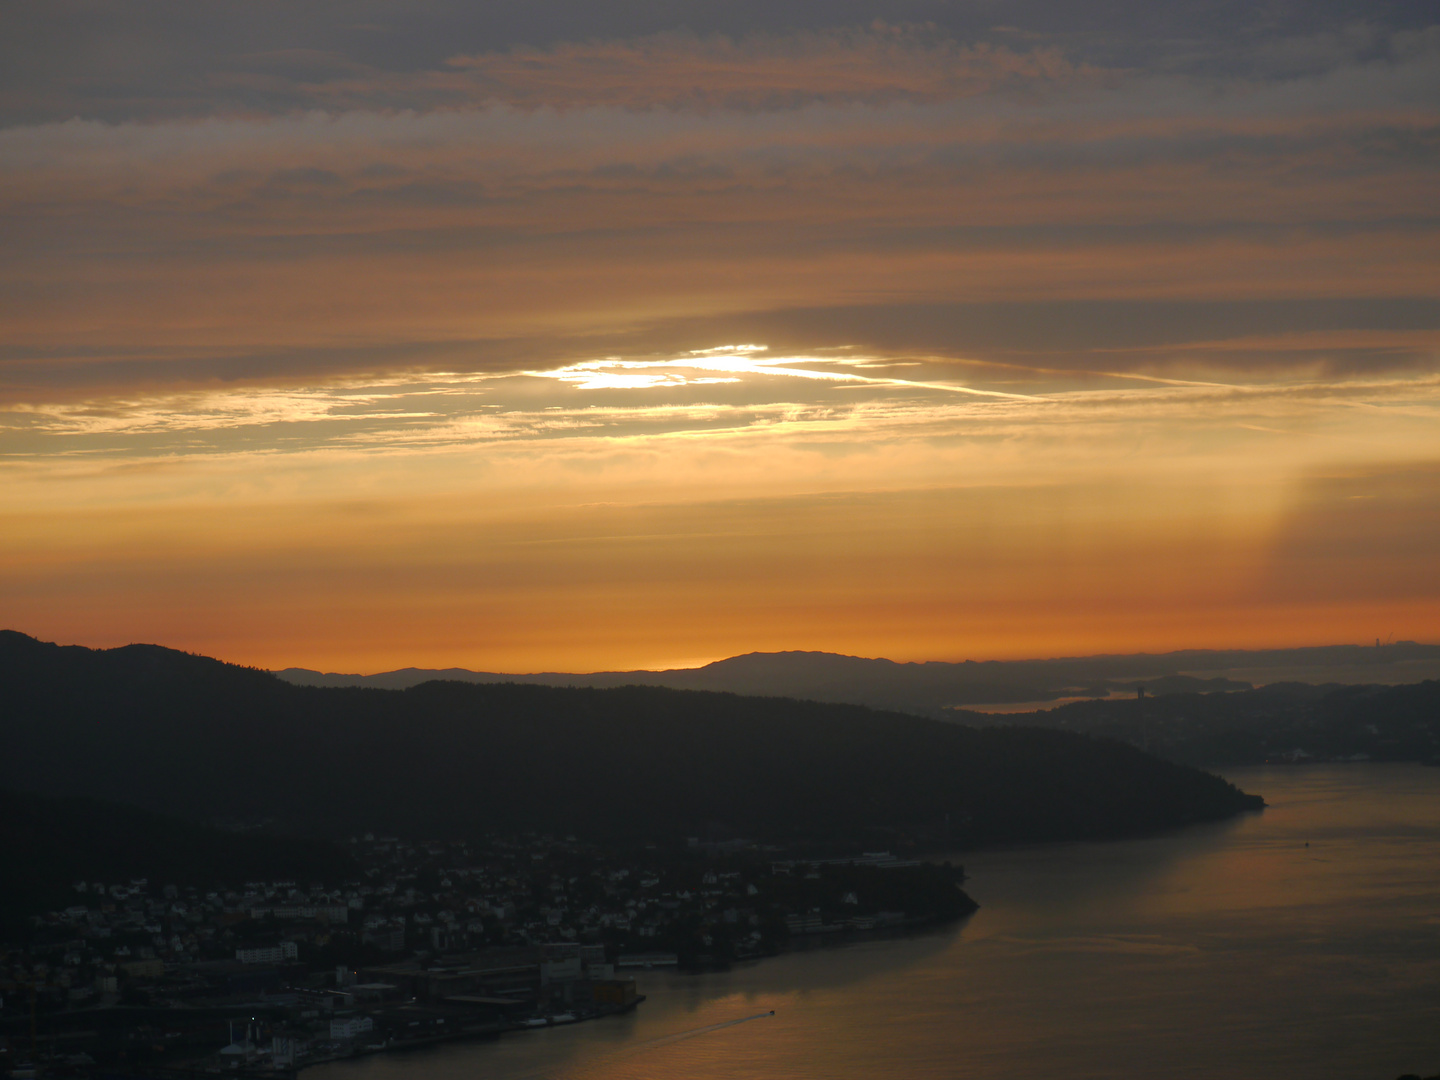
{"x":203,"y":739}
{"x":934,"y":688}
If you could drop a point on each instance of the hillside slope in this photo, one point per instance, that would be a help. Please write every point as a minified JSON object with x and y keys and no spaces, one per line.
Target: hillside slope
{"x":59,"y":841}
{"x":197,"y":737}
{"x":935,"y":687}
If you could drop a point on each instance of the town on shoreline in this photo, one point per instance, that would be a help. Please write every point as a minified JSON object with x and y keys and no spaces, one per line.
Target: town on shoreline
{"x":429,"y":941}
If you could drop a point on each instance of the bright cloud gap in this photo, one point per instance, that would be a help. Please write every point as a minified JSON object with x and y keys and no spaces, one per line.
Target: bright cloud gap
{"x":718,"y":392}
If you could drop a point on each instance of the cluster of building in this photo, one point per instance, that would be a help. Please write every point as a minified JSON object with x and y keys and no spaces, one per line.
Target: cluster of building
{"x":428,"y":941}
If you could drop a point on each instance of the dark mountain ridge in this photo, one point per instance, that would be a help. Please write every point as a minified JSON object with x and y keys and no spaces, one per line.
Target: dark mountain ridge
{"x":196,"y":737}
{"x":1281,"y":722}
{"x":932,"y":687}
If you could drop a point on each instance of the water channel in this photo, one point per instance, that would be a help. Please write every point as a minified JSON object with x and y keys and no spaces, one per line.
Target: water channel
{"x":1303,"y":941}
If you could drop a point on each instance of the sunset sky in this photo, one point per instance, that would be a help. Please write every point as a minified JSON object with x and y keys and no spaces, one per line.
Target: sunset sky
{"x":576,"y":336}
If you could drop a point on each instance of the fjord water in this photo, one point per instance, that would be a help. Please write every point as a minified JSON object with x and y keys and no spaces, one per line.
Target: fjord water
{"x":1230,"y":950}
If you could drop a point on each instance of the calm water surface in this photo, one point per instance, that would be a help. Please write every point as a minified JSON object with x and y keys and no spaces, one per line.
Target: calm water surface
{"x":1229,"y":951}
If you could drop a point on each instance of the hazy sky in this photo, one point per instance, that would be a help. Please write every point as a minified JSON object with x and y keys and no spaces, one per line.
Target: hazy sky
{"x":568,"y":336}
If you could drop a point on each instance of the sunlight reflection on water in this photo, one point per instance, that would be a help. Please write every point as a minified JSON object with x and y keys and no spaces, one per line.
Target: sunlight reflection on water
{"x":1229,"y":950}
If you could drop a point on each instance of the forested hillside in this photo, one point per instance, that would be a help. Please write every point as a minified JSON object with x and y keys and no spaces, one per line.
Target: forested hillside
{"x":193,"y":736}
{"x":61,"y":841}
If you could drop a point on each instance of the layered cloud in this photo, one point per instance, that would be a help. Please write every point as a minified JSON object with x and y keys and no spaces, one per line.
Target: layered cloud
{"x":419,"y":316}
{"x":878,"y":65}
{"x":506,"y":233}
{"x":532,"y":522}
{"x":166,"y":58}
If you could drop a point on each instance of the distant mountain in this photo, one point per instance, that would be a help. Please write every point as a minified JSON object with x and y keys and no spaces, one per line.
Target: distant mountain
{"x":1281,"y":722}
{"x":933,"y":688}
{"x":192,"y":736}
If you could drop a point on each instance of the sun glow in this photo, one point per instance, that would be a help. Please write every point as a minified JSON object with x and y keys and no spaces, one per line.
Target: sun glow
{"x":738,"y":363}
{"x":874,"y":340}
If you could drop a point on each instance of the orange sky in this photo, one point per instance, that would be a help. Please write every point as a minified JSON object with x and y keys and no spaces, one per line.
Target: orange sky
{"x":652,"y":348}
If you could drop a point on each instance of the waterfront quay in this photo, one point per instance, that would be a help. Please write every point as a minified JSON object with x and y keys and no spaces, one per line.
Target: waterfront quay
{"x":425,"y":942}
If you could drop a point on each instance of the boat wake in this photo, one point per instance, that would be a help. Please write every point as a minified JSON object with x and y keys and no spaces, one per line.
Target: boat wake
{"x":679,"y":1036}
